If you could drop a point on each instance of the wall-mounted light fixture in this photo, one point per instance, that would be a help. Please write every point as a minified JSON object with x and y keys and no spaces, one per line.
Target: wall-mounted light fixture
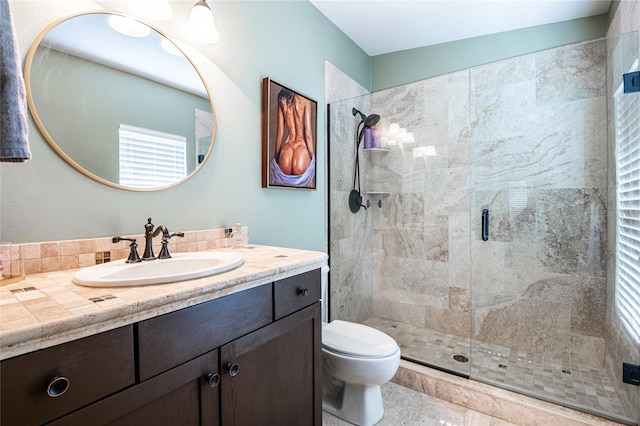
{"x":158,"y":10}
{"x":201,"y":27}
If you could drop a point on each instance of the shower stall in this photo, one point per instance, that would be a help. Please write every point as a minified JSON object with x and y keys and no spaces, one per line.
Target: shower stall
{"x":487,"y":246}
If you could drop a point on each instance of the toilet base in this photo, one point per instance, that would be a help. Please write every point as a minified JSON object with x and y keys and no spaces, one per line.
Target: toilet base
{"x":357,"y":404}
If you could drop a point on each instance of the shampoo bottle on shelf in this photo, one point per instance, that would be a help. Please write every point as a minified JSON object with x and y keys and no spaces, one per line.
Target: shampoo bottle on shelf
{"x":239,"y":237}
{"x":368,"y":138}
{"x":375,"y":138}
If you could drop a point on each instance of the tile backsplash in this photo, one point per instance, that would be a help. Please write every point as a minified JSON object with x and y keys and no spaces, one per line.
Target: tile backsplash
{"x":54,"y":256}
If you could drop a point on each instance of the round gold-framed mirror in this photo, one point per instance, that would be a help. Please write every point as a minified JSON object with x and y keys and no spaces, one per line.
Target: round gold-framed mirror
{"x":132,"y":112}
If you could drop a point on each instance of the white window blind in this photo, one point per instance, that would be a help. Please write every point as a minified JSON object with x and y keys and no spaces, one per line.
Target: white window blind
{"x":627,"y":124}
{"x":149,"y":159}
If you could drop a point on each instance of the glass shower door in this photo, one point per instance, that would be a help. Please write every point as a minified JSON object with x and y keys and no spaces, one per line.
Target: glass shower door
{"x":420,"y":220}
{"x":540,"y":207}
{"x":401,"y":264}
{"x":623,"y":315}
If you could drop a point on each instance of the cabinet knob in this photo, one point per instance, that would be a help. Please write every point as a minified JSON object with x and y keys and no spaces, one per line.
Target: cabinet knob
{"x":304,"y":292}
{"x":233,"y":369}
{"x":213,"y":379}
{"x":57,"y":387}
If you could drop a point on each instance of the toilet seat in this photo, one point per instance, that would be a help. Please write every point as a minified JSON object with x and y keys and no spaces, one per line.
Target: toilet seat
{"x":357,"y":340}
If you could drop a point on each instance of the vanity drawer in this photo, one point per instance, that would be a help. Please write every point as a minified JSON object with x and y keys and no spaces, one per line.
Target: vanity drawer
{"x":169,"y":340}
{"x":89,"y":369}
{"x":294,"y":293}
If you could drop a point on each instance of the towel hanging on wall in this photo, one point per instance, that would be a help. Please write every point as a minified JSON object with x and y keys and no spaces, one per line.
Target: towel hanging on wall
{"x":14,"y":133}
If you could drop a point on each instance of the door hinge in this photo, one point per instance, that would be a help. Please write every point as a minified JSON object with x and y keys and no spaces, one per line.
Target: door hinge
{"x":631,"y":374}
{"x":631,"y":82}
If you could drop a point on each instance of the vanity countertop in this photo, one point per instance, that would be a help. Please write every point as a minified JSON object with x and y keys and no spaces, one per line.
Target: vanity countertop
{"x":49,"y":309}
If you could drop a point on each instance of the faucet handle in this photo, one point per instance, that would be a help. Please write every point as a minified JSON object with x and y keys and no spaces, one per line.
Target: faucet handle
{"x":164,"y":251}
{"x":133,"y":254}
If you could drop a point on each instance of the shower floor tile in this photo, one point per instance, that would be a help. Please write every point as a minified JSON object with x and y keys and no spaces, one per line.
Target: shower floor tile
{"x":582,"y":387}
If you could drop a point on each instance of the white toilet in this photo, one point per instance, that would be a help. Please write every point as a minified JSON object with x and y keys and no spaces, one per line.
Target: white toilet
{"x":356,"y":361}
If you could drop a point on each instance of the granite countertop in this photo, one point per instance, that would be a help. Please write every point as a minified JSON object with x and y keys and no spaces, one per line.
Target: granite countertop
{"x":48,"y":309}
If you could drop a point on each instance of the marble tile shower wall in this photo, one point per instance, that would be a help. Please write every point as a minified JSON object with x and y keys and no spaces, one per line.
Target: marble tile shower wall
{"x":421,"y":231}
{"x":526,"y":139}
{"x":350,"y":260}
{"x":350,"y":237}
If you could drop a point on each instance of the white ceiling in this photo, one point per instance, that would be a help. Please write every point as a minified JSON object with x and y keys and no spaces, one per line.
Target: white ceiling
{"x":384,"y":26}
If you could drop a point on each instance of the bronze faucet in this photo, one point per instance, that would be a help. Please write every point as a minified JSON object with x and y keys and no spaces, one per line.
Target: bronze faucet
{"x":150,"y":234}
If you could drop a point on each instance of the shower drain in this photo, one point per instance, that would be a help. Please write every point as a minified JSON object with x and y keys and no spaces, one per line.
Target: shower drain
{"x":461,"y":358}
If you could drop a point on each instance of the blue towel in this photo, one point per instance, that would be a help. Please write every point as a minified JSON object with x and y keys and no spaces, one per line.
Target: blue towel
{"x":14,"y":133}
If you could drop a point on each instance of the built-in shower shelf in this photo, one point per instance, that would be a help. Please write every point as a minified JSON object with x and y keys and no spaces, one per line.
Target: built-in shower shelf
{"x":377,"y":149}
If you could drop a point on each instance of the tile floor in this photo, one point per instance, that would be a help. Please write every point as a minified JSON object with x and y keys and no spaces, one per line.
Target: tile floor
{"x":407,"y":407}
{"x":577,"y":386}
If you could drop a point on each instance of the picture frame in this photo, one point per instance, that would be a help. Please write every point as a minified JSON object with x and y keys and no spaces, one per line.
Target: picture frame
{"x":289,"y":137}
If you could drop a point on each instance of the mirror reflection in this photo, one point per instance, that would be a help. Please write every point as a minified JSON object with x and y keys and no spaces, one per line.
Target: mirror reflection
{"x":130,"y":111}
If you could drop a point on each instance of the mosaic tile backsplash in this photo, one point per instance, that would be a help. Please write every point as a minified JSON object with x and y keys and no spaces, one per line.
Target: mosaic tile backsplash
{"x":64,"y":255}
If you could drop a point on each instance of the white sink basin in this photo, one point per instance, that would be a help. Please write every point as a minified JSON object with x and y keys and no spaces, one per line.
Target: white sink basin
{"x":180,"y":267}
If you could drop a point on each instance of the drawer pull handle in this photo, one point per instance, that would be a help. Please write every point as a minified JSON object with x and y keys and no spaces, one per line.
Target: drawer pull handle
{"x":213,"y":379}
{"x":57,"y":387}
{"x":304,"y":292}
{"x":233,"y":369}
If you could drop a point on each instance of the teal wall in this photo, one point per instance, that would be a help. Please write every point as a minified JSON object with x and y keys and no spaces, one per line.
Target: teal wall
{"x":47,"y":200}
{"x":391,"y":69}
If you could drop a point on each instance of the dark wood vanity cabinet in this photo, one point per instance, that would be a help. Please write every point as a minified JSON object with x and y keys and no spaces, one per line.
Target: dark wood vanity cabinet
{"x":250,"y":358}
{"x":185,"y":395}
{"x":273,"y":376}
{"x":46,"y":384}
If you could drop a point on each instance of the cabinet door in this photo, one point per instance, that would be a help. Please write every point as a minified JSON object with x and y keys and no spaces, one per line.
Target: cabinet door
{"x":277,"y":377}
{"x":47,"y":384}
{"x":185,"y":395}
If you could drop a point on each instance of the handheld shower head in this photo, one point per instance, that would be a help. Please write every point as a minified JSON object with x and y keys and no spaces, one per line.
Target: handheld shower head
{"x":369,"y":121}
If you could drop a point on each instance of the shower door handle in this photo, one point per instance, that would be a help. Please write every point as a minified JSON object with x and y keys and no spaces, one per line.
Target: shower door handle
{"x":485,"y":225}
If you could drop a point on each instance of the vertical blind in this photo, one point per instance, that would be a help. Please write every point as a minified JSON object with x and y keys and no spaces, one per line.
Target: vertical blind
{"x":627,"y":124}
{"x":149,"y":159}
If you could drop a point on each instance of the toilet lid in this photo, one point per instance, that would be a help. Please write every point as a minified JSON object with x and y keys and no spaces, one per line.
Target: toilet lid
{"x":349,"y":338}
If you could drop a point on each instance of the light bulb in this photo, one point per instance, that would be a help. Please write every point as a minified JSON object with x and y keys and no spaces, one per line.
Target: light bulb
{"x":201,"y":27}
